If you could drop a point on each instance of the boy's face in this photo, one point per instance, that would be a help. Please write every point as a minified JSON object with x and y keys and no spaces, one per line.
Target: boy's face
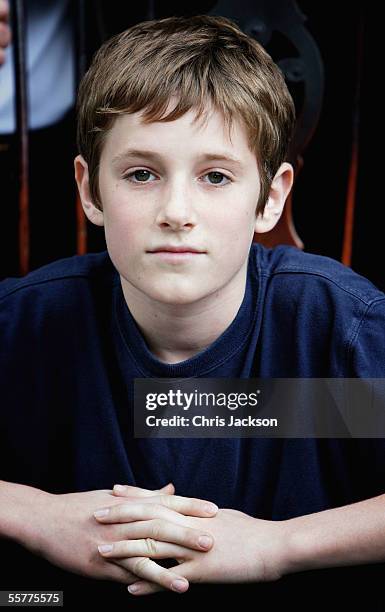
{"x":178,"y":195}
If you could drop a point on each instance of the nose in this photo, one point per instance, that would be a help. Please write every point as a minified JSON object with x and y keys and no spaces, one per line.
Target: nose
{"x":176,"y":208}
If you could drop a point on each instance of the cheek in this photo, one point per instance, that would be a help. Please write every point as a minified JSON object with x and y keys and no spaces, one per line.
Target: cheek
{"x":124,"y":239}
{"x":123,"y":222}
{"x":236,"y":229}
{"x":237,"y":216}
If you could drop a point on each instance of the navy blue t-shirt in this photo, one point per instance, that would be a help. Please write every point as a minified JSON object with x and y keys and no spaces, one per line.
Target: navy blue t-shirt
{"x":70,"y":350}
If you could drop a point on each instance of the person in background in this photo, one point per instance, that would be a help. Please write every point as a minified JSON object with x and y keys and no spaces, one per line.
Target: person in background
{"x":5,"y":30}
{"x":50,"y":73}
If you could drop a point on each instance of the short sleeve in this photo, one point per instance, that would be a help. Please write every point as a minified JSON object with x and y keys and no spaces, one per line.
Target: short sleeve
{"x":367,"y":360}
{"x":367,"y":348}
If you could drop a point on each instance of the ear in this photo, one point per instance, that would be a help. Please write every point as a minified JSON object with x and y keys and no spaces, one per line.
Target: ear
{"x":279,"y":190}
{"x":94,"y":214}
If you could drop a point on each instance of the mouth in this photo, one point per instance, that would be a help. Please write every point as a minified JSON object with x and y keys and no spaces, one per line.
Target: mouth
{"x":176,"y":255}
{"x":175,"y":249}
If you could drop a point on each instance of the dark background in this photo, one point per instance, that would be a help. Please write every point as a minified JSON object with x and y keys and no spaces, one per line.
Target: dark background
{"x":320,"y":192}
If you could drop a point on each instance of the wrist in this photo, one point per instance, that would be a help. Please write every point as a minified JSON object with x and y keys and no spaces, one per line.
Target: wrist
{"x":276,"y":552}
{"x":289,"y":554}
{"x":20,"y":514}
{"x":302,"y":553}
{"x":36,"y":520}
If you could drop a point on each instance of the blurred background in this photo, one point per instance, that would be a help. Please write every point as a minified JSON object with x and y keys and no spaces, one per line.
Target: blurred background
{"x":325,"y":52}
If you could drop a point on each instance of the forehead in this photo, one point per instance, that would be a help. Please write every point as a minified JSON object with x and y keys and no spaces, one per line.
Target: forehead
{"x":185,"y":137}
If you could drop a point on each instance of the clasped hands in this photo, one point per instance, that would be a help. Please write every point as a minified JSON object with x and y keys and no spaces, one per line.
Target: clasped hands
{"x":207,"y":544}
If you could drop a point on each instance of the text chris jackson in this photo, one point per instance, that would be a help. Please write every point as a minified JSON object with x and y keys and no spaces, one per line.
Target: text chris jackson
{"x":202,"y":421}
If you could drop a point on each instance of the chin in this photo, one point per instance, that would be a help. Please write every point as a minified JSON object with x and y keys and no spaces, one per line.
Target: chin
{"x":177,"y":300}
{"x":175,"y":297}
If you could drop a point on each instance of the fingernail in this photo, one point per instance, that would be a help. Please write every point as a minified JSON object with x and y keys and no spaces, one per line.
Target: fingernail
{"x":133,"y":588}
{"x":205,"y":541}
{"x":210,"y":508}
{"x":101,"y":513}
{"x":179,"y":585}
{"x":104,"y":548}
{"x":119,"y":488}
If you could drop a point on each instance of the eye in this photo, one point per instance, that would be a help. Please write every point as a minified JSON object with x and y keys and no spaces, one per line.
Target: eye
{"x":217,"y":175}
{"x":140,"y":174}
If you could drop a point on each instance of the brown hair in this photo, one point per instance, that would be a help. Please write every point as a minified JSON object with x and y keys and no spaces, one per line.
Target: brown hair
{"x":200,"y":59}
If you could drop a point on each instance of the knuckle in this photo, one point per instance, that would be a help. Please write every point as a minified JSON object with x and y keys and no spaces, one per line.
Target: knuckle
{"x":166,"y":500}
{"x":190,"y":535}
{"x":156,"y":529}
{"x":195,"y":504}
{"x":151,"y":546}
{"x":121,"y":509}
{"x":165,"y":578}
{"x":159,"y":508}
{"x":141,"y":564}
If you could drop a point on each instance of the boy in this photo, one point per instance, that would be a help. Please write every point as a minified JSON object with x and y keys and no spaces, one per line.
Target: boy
{"x":76,"y":333}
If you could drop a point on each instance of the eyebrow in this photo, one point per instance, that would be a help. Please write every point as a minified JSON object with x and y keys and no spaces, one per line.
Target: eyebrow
{"x":146,"y":154}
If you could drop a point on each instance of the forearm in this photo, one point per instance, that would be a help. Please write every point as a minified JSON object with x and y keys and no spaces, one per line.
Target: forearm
{"x":348,"y":535}
{"x":17,"y":510}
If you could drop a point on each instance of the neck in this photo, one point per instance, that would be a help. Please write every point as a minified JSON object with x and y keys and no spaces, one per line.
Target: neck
{"x":176,"y":332}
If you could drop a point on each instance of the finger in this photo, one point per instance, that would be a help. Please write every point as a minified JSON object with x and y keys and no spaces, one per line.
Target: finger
{"x":127,"y":512}
{"x":164,"y":531}
{"x":131,"y":491}
{"x":155,"y":521}
{"x":168,"y":489}
{"x":147,"y":569}
{"x":145,"y":587}
{"x":188,"y":506}
{"x":119,"y":574}
{"x":144,"y":547}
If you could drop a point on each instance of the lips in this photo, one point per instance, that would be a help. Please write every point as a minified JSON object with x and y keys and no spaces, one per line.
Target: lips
{"x":176,"y":249}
